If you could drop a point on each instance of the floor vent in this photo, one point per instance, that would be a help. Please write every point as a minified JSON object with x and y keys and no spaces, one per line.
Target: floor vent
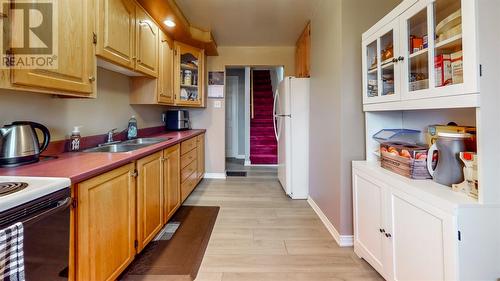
{"x":236,"y":173}
{"x":168,"y":231}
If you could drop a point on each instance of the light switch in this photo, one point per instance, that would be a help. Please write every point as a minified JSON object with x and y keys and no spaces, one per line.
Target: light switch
{"x":217,"y":104}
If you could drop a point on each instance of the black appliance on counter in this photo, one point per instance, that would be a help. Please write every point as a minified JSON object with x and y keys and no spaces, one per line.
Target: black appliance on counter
{"x":177,"y":120}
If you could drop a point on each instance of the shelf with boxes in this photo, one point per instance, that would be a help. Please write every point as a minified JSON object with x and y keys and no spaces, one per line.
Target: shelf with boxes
{"x":423,"y":50}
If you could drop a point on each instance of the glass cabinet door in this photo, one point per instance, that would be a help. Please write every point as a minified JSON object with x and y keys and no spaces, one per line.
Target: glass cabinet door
{"x":380,"y":65}
{"x":448,"y":55}
{"x":388,"y":64}
{"x":418,"y":71}
{"x":189,"y":75}
{"x":372,"y":70}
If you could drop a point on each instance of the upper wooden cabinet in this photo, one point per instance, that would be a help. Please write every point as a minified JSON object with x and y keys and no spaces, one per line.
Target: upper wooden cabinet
{"x":189,"y":76}
{"x":76,"y":72}
{"x":303,"y":53}
{"x":106,"y":227}
{"x":116,"y":31}
{"x":127,"y":36}
{"x":166,"y":68}
{"x":146,"y":42}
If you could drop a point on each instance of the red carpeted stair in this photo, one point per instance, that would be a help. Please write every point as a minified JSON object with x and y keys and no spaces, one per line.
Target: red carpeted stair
{"x":263,"y":145}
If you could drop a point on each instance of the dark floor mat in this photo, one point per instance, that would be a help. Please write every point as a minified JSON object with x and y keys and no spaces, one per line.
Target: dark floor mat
{"x":180,"y":257}
{"x":236,"y":173}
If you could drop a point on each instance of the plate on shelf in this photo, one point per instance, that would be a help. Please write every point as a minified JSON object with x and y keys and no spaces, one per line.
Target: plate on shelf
{"x":449,"y":22}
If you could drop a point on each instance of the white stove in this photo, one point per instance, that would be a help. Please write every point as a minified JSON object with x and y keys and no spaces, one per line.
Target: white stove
{"x":15,"y":191}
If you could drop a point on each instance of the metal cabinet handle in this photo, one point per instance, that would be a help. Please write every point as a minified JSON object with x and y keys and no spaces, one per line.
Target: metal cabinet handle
{"x":91,"y":78}
{"x":401,"y":58}
{"x":388,"y":235}
{"x":382,"y":230}
{"x":145,"y":22}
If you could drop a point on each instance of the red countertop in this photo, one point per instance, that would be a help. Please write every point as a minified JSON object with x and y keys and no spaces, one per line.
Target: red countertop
{"x":80,"y":166}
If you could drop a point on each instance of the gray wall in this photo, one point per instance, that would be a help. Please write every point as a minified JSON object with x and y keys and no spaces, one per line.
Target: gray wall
{"x":337,"y":120}
{"x":240,"y":73}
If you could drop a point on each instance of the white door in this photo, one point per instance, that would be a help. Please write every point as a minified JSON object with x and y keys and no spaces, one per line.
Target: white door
{"x":368,"y":221}
{"x":231,"y":116}
{"x":422,"y":240}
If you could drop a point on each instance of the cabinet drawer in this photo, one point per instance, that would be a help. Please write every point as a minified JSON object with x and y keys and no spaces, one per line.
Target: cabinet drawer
{"x":187,"y":158}
{"x":188,"y":170}
{"x":188,"y":145}
{"x":188,"y":185}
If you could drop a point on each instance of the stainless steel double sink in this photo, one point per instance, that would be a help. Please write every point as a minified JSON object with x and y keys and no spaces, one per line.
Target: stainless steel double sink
{"x":127,"y":146}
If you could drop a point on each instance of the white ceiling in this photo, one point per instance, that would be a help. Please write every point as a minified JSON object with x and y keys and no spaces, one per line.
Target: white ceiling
{"x":250,"y":22}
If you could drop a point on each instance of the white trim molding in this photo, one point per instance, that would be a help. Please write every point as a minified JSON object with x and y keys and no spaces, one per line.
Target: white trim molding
{"x":342,"y":240}
{"x":242,"y":156}
{"x":221,"y":176}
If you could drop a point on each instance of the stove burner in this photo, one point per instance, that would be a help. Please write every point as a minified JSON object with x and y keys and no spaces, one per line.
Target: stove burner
{"x":11,"y":187}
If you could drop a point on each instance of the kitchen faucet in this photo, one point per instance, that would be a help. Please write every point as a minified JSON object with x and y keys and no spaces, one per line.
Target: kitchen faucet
{"x":109,"y":139}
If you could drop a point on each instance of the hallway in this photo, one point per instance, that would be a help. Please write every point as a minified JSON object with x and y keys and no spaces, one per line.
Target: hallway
{"x":260,"y":234}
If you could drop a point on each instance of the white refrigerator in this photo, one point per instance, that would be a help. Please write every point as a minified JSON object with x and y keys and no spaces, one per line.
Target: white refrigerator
{"x":291,"y":126}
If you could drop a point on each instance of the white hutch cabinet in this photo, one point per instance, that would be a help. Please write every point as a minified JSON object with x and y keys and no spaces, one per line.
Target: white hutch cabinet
{"x":421,"y":66}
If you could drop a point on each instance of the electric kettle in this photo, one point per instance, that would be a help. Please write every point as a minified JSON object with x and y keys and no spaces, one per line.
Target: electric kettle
{"x":19,"y":143}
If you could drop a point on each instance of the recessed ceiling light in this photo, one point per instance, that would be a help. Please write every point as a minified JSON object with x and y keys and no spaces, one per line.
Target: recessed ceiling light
{"x":169,"y":23}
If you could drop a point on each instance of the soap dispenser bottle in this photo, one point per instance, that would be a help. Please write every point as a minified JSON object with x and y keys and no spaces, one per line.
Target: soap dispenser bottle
{"x":75,"y":139}
{"x":132,"y":128}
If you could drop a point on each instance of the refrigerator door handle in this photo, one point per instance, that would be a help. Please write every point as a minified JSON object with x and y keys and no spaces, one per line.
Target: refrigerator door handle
{"x":276,"y":116}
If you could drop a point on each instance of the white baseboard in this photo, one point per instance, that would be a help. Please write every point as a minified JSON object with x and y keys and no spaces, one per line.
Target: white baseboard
{"x":248,"y":163}
{"x":342,"y":240}
{"x":221,"y":176}
{"x":240,"y":157}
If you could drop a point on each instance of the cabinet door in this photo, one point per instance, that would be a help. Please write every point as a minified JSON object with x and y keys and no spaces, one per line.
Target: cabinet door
{"x":147,"y":42}
{"x":189,"y":75}
{"x":166,"y":77}
{"x":201,"y":155}
{"x":368,"y":221}
{"x":171,"y":181}
{"x":106,"y":224}
{"x":439,"y":45}
{"x":75,"y":57}
{"x":381,"y":66}
{"x":423,"y":240}
{"x":149,"y":198}
{"x":115,"y":31}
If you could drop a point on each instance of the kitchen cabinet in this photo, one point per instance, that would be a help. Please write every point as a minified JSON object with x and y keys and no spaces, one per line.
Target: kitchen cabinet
{"x":116,"y":31}
{"x":166,"y":69}
{"x":149,"y":198}
{"x":402,"y":236}
{"x":422,"y":55}
{"x":147,"y":43}
{"x":303,"y":53}
{"x":127,"y":36}
{"x":200,"y":149}
{"x":106,"y":230}
{"x":75,"y":73}
{"x":189,"y":75}
{"x":171,"y":181}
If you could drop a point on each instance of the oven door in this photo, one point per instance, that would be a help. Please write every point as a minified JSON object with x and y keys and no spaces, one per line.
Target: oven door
{"x":46,"y":235}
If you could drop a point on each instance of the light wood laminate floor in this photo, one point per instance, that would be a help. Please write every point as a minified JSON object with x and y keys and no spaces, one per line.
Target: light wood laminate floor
{"x":262,"y":235}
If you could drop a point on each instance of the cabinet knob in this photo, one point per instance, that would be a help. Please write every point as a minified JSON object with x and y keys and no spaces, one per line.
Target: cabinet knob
{"x":382,"y":230}
{"x":388,"y":235}
{"x":91,"y":78}
{"x":394,"y":60}
{"x":401,"y":58}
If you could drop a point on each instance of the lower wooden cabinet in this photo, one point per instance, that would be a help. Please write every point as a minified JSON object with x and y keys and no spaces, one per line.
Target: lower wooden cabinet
{"x":106,"y":229}
{"x":118,"y":213}
{"x":171,"y":181}
{"x":149,"y":198}
{"x":200,"y":149}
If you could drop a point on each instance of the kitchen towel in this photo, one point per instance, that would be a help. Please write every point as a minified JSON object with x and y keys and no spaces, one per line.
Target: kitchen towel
{"x":11,"y":253}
